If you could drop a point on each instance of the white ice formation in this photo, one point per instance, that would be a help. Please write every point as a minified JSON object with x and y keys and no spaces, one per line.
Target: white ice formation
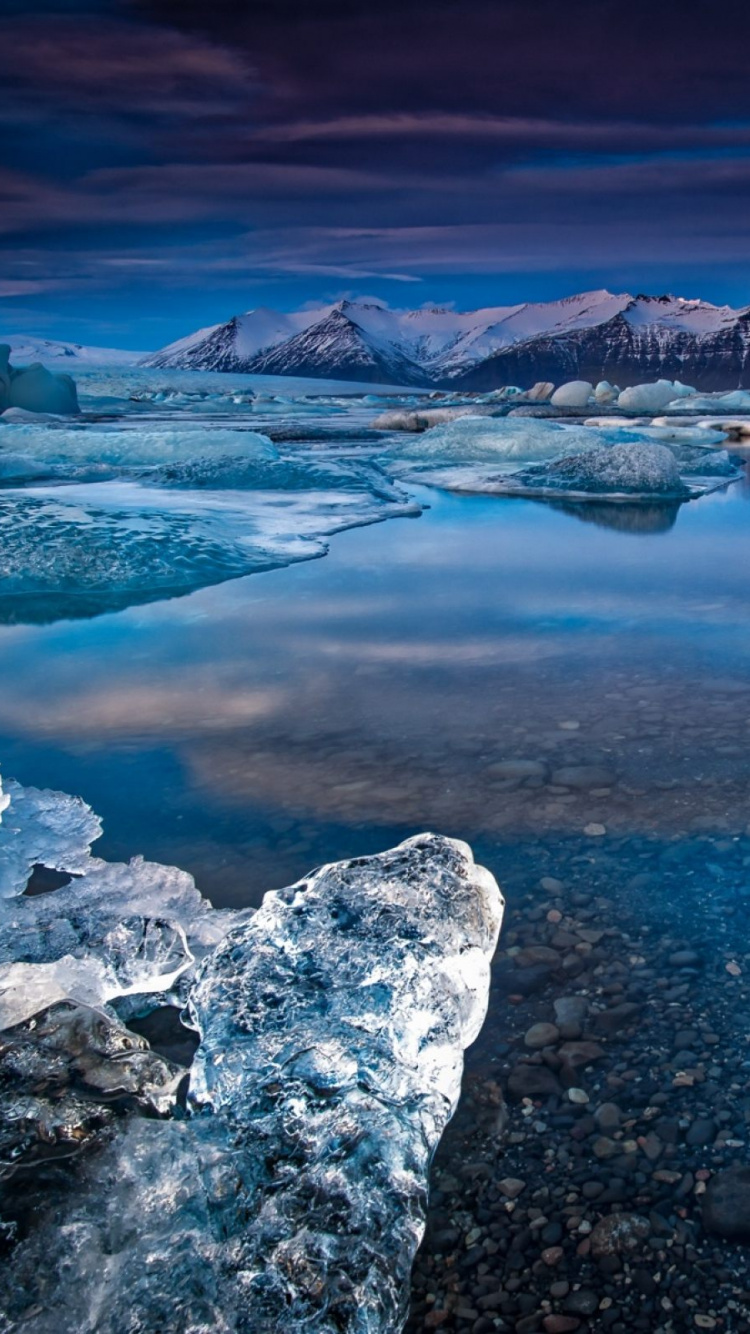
{"x":653,"y":397}
{"x":493,"y":439}
{"x":574,"y":394}
{"x":34,"y":389}
{"x":632,"y":471}
{"x":289,"y":1191}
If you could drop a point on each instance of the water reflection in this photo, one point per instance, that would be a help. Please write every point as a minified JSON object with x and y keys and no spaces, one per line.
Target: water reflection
{"x":624,"y":518}
{"x":250,"y":731}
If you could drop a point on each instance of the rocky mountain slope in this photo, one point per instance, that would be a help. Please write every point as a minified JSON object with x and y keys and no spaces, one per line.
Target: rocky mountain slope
{"x":593,"y":336}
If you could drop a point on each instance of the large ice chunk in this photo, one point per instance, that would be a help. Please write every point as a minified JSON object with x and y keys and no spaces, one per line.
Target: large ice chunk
{"x":332,"y":1026}
{"x":573,"y":394}
{"x":34,"y":388}
{"x":653,"y":397}
{"x":496,"y":440}
{"x":627,"y":470}
{"x":421,"y":419}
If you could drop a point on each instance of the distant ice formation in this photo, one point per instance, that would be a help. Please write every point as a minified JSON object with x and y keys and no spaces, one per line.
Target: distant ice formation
{"x":35,"y":389}
{"x":289,"y":1191}
{"x":633,"y":471}
{"x":574,"y":394}
{"x":653,"y":397}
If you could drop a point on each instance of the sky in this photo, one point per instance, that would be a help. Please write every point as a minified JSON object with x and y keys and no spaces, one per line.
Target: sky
{"x":165,"y":164}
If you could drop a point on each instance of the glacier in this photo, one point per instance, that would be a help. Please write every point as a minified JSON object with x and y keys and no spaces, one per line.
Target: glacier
{"x":281,"y":1182}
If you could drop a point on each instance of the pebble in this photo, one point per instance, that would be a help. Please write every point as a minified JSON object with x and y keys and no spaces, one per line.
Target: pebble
{"x":541,"y":1035}
{"x":595,"y":830}
{"x":511,"y":1187}
{"x":578,"y":1096}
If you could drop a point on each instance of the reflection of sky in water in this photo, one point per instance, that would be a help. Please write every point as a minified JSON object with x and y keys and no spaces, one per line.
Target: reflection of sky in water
{"x":255,"y":728}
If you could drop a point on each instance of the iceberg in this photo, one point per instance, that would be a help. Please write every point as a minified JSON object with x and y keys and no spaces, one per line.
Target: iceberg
{"x":35,"y":389}
{"x":634,"y":472}
{"x":493,"y":439}
{"x":573,"y":394}
{"x":654,"y":397}
{"x":287,"y":1188}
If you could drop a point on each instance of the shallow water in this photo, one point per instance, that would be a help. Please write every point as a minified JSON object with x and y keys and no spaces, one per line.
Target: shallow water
{"x":252,"y":730}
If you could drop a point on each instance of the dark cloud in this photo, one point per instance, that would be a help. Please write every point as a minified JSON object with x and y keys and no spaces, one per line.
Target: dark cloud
{"x":151,"y":145}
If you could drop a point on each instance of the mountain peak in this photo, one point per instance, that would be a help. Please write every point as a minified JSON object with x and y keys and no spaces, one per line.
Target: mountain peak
{"x":590,"y":335}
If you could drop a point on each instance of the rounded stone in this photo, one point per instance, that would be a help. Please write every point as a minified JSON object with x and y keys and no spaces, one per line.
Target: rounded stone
{"x":541,"y":1035}
{"x":618,"y":1234}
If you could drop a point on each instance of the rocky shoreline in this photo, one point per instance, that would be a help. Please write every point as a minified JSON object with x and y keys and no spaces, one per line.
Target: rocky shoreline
{"x":594,"y":1177}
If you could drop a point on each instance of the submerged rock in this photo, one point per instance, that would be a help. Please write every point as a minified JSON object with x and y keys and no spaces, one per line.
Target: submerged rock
{"x":726,"y":1204}
{"x":332,"y":1025}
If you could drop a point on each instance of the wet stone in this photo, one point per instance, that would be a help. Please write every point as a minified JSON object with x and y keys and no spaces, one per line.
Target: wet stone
{"x":726,"y":1204}
{"x":541,"y":1035}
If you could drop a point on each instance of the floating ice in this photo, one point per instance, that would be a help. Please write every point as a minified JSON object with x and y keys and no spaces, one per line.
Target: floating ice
{"x":630,"y":469}
{"x":332,"y":1026}
{"x":653,"y":397}
{"x":131,"y":446}
{"x":34,"y":389}
{"x":114,"y":930}
{"x":422,"y":419}
{"x":493,"y":439}
{"x":736,"y":401}
{"x":606,"y":392}
{"x":82,"y":549}
{"x":573,"y":394}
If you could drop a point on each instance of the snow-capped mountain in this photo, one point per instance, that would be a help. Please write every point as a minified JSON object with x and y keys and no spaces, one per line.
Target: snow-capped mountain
{"x":24,"y":349}
{"x":595,"y":335}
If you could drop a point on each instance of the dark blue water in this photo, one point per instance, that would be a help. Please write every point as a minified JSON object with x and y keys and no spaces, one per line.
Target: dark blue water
{"x":252,"y":730}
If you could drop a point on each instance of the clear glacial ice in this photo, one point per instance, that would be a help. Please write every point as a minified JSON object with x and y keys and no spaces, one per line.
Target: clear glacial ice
{"x":286,"y":1189}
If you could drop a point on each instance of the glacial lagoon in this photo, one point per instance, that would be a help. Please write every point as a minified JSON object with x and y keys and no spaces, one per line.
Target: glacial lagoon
{"x":562,"y":685}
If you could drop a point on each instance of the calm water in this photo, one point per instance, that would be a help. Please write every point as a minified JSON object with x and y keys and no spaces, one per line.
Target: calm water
{"x":254,"y":729}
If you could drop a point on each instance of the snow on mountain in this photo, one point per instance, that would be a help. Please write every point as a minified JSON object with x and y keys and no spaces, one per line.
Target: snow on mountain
{"x":593,"y":335}
{"x":24,"y":349}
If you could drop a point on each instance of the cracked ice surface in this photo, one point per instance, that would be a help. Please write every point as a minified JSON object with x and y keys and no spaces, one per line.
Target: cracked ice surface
{"x":332,"y":1023}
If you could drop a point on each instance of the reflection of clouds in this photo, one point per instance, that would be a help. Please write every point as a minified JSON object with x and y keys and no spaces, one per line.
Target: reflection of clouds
{"x":126,"y":710}
{"x":440,"y":652}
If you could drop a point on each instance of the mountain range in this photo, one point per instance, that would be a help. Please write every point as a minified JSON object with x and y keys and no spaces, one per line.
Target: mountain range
{"x":593,"y":336}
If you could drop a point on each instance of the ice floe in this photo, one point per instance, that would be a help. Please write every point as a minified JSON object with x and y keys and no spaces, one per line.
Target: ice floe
{"x":653,"y":397}
{"x":636,"y":472}
{"x":289,"y":1191}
